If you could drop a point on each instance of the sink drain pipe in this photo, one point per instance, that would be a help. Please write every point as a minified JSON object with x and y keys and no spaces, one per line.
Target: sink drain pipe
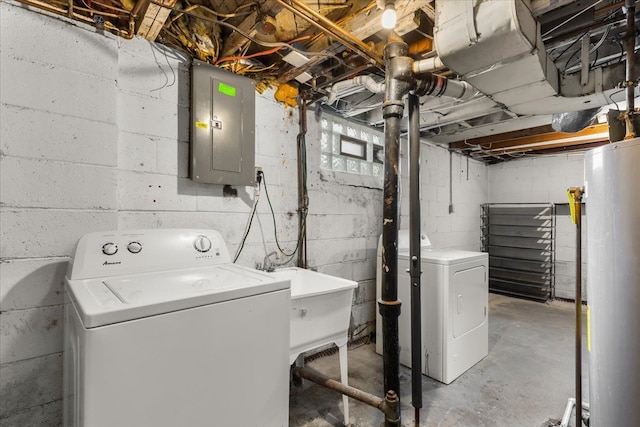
{"x":390,"y":405}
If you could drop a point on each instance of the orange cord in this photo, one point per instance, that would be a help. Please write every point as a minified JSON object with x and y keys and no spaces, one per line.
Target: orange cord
{"x":262,"y":53}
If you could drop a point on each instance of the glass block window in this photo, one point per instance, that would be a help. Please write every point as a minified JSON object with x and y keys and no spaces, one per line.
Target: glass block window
{"x":351,"y":147}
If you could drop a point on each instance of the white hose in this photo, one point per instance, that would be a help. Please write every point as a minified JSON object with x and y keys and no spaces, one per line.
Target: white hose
{"x":566,"y":418}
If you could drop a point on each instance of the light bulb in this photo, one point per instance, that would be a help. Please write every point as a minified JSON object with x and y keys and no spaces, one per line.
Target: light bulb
{"x":389,"y":17}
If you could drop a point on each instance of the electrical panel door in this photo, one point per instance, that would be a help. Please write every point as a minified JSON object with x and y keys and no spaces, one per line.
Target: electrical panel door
{"x":222,"y":126}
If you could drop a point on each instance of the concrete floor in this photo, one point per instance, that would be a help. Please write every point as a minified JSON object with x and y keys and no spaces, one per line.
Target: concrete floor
{"x":524,"y":381}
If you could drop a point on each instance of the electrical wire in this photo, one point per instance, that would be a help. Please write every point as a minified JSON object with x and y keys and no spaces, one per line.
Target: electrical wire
{"x":615,"y":93}
{"x":275,"y":227}
{"x":261,"y":53}
{"x":247,"y":36}
{"x":303,"y":208}
{"x":249,"y":221}
{"x":226,"y":15}
{"x":591,"y":50}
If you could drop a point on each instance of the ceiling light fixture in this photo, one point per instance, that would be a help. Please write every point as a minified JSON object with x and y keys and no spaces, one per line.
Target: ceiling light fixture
{"x":389,"y":14}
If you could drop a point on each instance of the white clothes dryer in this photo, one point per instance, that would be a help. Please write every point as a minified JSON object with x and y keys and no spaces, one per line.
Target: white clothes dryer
{"x":162,"y":330}
{"x":454,"y":304}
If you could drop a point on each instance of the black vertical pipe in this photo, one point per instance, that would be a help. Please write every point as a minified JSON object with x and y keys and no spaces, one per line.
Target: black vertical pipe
{"x":414,"y":253}
{"x":397,"y":78}
{"x":390,"y":305}
{"x":303,"y":197}
{"x":578,"y":350}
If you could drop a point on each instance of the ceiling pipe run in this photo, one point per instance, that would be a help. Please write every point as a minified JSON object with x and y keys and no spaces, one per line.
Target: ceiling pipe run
{"x":435,"y":85}
{"x":428,"y":65}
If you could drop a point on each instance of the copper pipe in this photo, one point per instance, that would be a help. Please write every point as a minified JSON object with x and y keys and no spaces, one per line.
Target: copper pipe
{"x":329,"y":27}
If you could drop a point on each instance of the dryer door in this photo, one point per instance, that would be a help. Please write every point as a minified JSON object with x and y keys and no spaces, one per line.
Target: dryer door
{"x":468,"y":299}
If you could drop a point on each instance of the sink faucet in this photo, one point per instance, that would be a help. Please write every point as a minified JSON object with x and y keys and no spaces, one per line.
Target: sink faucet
{"x":267,"y":264}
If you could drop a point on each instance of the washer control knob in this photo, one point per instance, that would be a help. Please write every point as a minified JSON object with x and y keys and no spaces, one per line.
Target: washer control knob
{"x":134,"y":247}
{"x":202,"y":244}
{"x":109,"y":248}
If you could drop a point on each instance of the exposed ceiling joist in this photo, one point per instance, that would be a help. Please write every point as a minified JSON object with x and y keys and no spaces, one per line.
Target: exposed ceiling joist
{"x":565,"y":149}
{"x":537,"y":140}
{"x":235,"y":40}
{"x":541,"y":135}
{"x":154,"y":17}
{"x":507,"y":136}
{"x":367,"y":24}
{"x":567,"y":145}
{"x":539,"y":7}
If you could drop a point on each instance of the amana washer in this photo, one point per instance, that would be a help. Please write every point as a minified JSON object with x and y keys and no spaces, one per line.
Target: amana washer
{"x":162,"y":330}
{"x":454,"y":304}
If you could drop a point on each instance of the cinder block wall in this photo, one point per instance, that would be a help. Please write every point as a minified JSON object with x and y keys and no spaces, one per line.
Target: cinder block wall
{"x":94,"y":136}
{"x":546,"y":180}
{"x":458,"y":181}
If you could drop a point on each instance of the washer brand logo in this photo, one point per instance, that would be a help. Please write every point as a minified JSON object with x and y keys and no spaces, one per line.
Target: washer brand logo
{"x":111,"y":263}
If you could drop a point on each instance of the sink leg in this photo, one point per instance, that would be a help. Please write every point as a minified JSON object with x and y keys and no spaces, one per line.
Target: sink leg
{"x":344,"y":377}
{"x":299,"y":363}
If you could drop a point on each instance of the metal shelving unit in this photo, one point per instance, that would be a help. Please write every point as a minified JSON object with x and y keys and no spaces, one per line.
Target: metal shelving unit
{"x":520,"y":240}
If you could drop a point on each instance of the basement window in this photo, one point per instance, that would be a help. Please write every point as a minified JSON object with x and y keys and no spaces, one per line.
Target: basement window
{"x":353,"y":148}
{"x":350,"y":147}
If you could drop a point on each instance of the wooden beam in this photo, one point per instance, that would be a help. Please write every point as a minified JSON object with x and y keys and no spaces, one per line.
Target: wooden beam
{"x":539,"y":7}
{"x":541,"y":147}
{"x":235,"y":40}
{"x":566,"y":149}
{"x":365,"y":25}
{"x":153,"y":18}
{"x":468,"y":144}
{"x":540,"y":136}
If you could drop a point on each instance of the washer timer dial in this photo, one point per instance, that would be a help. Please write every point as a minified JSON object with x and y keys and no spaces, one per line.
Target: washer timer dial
{"x":109,"y":248}
{"x":202,"y":244}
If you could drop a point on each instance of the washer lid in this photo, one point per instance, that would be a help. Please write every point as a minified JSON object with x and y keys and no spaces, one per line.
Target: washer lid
{"x":446,"y":256}
{"x":122,"y":298}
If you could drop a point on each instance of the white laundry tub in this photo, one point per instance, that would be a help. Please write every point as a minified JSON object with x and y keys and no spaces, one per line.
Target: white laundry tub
{"x":320,"y":314}
{"x":320,"y":309}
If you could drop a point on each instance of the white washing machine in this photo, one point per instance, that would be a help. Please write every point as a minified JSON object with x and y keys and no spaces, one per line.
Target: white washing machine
{"x":454,"y":295}
{"x":161,"y":329}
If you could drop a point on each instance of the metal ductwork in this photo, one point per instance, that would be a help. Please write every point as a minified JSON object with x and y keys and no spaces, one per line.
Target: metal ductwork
{"x":573,"y":121}
{"x":496,"y":46}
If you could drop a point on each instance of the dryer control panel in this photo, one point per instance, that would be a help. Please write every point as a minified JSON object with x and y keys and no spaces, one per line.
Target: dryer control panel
{"x":105,"y":254}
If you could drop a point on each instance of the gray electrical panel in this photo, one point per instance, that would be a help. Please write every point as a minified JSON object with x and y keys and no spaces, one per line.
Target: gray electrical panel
{"x":222,"y":126}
